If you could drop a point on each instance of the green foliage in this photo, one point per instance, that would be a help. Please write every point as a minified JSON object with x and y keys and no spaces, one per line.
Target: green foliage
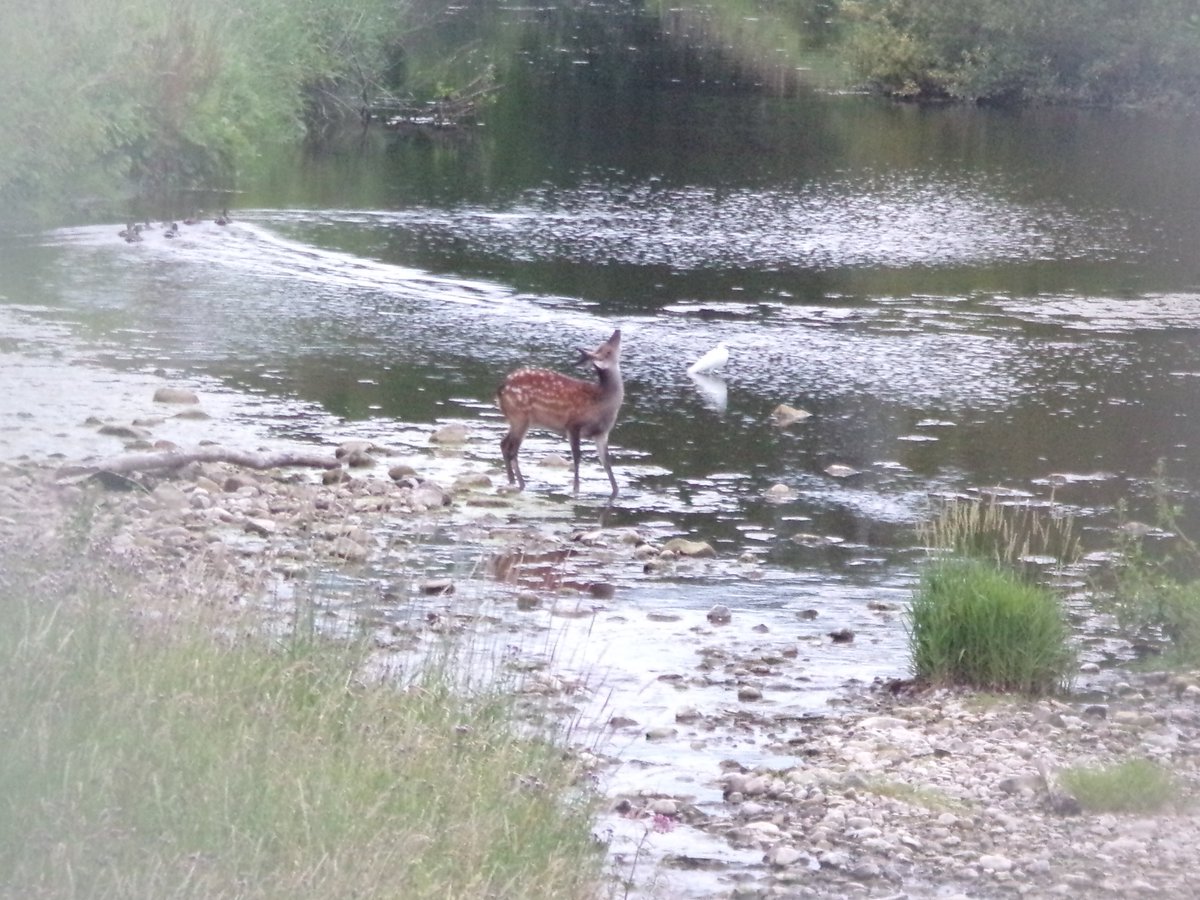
{"x":1136,"y":785}
{"x":972,"y":623}
{"x":1159,"y":594}
{"x":134,"y":103}
{"x":148,"y":754}
{"x":1079,"y":51}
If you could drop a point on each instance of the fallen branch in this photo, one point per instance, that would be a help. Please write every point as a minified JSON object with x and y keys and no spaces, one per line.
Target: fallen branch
{"x":174,"y":459}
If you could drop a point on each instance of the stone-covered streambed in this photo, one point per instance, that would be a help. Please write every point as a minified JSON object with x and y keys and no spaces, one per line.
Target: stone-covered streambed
{"x":738,"y":757}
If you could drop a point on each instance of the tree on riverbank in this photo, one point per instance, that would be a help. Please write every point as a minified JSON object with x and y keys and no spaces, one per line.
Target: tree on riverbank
{"x":111,"y":103}
{"x":1078,"y":51}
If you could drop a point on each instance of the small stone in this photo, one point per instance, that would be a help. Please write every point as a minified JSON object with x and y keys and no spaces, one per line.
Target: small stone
{"x":125,"y":432}
{"x":235,"y":483}
{"x":1018,"y":784}
{"x":838,"y":470}
{"x":782,"y":856}
{"x":351,"y":448}
{"x":842,"y":636}
{"x":261,"y":527}
{"x":995,"y":862}
{"x":472,"y":481}
{"x":785,"y":415}
{"x":660,"y":733}
{"x":400,"y":471}
{"x":527,"y":600}
{"x":349,"y":550}
{"x":175,"y":395}
{"x":334,"y":476}
{"x":438,"y":586}
{"x":428,"y":495}
{"x":359,"y":459}
{"x":665,"y":807}
{"x":719,"y":615}
{"x":454,"y":433}
{"x":685,"y":547}
{"x":748,"y":693}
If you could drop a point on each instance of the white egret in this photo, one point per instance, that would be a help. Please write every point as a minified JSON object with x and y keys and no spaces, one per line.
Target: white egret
{"x":710,"y":361}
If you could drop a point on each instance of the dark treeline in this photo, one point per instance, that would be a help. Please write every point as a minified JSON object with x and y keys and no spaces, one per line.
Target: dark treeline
{"x":122,"y":107}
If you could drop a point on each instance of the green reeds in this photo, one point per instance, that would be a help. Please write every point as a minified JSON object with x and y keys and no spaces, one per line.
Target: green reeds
{"x":976,"y":619}
{"x":151,"y":755}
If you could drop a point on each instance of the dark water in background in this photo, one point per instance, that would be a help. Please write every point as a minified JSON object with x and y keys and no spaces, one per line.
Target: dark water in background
{"x":963,"y":298}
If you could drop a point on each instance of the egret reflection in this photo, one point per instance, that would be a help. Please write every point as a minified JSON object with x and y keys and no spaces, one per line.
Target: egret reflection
{"x":714,"y":391}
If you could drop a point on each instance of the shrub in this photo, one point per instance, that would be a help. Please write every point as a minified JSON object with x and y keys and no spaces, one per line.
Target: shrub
{"x":972,"y":623}
{"x":1155,"y":593}
{"x":1148,"y":600}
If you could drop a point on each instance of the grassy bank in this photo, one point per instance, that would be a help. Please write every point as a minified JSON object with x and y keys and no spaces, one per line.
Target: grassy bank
{"x":145,"y":755}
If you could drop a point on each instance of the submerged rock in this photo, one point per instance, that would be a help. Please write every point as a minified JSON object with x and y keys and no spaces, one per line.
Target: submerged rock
{"x":685,"y":547}
{"x":719,"y":615}
{"x":838,"y":470}
{"x":175,"y":395}
{"x":785,"y":415}
{"x":454,"y":433}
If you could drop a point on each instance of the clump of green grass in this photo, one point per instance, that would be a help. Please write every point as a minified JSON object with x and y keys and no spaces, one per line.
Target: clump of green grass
{"x":141,"y":757}
{"x":1136,"y":785}
{"x":974,"y":624}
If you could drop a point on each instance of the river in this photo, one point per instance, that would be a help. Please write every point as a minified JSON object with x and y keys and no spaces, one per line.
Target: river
{"x":967,"y":300}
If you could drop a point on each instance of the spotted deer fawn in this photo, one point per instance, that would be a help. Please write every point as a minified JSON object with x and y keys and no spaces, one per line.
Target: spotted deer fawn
{"x":578,"y":409}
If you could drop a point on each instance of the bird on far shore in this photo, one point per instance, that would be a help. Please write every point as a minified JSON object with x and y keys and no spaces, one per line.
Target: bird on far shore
{"x":710,"y":361}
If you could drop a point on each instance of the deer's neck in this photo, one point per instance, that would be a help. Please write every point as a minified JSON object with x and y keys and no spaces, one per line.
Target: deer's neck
{"x":611,"y":385}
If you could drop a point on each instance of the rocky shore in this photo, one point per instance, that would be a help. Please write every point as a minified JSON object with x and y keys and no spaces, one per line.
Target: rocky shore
{"x":942,"y":794}
{"x":896,"y":793}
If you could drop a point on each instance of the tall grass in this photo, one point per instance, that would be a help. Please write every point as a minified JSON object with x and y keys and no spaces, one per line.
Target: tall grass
{"x":1006,"y":534}
{"x":154,"y":756}
{"x":976,"y":618}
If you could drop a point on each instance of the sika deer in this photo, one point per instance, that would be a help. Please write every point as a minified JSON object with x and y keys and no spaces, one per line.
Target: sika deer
{"x":578,"y":409}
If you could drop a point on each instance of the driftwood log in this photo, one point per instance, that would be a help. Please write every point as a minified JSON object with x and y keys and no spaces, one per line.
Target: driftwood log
{"x":168,"y":460}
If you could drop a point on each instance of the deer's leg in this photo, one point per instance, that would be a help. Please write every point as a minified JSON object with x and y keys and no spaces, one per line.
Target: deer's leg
{"x":602,"y":452}
{"x":510,"y":446}
{"x":576,"y":453}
